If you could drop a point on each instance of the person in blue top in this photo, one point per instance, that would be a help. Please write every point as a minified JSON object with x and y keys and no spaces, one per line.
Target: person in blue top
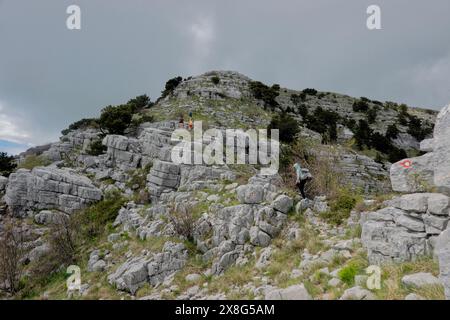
{"x":303,"y":176}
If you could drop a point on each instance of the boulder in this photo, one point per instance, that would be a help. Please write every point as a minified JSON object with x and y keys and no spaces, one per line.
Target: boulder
{"x":250,"y":194}
{"x":427,"y":145}
{"x":416,"y":178}
{"x":334,"y":282}
{"x":264,"y":258}
{"x":49,"y":188}
{"x":416,"y":202}
{"x":438,"y":204}
{"x":386,"y":241}
{"x":124,"y":153}
{"x":442,"y":251}
{"x":259,"y":238}
{"x":49,"y":217}
{"x":413,"y":296}
{"x":154,"y":269}
{"x":163,"y":177}
{"x":99,"y":266}
{"x":283,"y":203}
{"x":172,"y":258}
{"x":131,"y":275}
{"x":442,"y":150}
{"x":193,"y":277}
{"x":295,"y":292}
{"x":421,"y":279}
{"x":357,"y":293}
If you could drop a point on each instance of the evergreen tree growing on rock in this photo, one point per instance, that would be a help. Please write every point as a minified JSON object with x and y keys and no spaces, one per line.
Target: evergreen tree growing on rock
{"x":7,"y":164}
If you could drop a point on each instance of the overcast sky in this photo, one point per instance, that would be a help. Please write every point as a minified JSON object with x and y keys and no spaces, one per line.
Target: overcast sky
{"x":51,"y":76}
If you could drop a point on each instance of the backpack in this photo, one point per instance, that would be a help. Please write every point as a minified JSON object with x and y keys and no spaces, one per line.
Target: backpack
{"x":306,"y":175}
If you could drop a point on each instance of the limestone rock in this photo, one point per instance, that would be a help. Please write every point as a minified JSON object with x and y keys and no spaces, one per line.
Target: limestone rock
{"x":295,"y":292}
{"x":283,"y":203}
{"x":154,"y":269}
{"x":264,"y":258}
{"x":442,"y":150}
{"x":416,"y":178}
{"x":413,"y":296}
{"x":427,"y":145}
{"x":163,"y":177}
{"x":438,"y":204}
{"x":193,"y":277}
{"x":442,"y":252}
{"x":250,"y":194}
{"x":49,"y":217}
{"x":420,"y":279}
{"x":49,"y":188}
{"x":124,"y":152}
{"x":357,"y":293}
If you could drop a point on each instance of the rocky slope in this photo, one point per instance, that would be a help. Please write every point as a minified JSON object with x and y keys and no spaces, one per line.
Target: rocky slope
{"x":153,"y":229}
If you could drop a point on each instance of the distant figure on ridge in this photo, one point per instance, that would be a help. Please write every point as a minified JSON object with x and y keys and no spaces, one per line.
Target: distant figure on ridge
{"x":181,"y":122}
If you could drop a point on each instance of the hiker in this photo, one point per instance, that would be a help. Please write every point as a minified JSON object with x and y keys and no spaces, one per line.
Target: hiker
{"x":181,"y":122}
{"x":303,"y":176}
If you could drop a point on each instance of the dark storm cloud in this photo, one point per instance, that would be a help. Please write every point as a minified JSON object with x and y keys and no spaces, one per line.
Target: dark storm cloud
{"x":50,"y":76}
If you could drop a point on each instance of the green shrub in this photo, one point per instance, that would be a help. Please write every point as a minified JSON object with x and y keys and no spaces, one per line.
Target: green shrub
{"x":372,"y":115}
{"x":267,"y":94}
{"x":310,"y":91}
{"x":324,"y":122}
{"x":33,"y":161}
{"x":363,"y":134}
{"x":392,"y":131}
{"x":215,"y":80}
{"x":360,"y":106}
{"x":7,"y":164}
{"x":140,"y":102}
{"x":116,"y":119}
{"x":171,"y":85}
{"x":341,"y":206}
{"x":347,"y":274}
{"x":96,"y":148}
{"x":94,"y":220}
{"x":419,"y":129}
{"x":81,"y":124}
{"x":298,"y":98}
{"x":287,"y":126}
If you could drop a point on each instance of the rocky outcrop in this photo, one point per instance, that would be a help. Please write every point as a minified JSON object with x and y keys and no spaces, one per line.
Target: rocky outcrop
{"x":441,"y":148}
{"x":152,"y":268}
{"x":416,"y":224}
{"x":163,"y":177}
{"x":74,"y":140}
{"x":123,"y":152}
{"x":407,"y":229}
{"x":295,"y":292}
{"x":421,"y":279}
{"x":231,"y":85}
{"x":442,"y":252}
{"x":49,"y":188}
{"x":236,"y":230}
{"x":431,"y":169}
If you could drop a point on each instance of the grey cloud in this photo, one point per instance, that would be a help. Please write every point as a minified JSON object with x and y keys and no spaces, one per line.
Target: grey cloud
{"x":50,"y":76}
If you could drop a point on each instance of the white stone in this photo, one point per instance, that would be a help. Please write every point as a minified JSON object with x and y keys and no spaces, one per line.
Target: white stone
{"x":420,"y":279}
